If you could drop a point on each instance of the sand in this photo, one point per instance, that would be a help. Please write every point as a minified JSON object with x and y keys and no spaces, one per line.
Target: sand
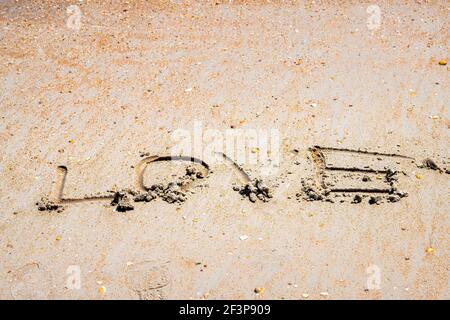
{"x":344,"y":207}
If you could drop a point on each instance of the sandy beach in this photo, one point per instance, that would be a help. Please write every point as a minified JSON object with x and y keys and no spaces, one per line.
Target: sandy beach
{"x":224,"y":149}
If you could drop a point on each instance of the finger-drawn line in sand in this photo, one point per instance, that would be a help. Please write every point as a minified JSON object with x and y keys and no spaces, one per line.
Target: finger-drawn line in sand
{"x":359,"y":151}
{"x":234,"y":165}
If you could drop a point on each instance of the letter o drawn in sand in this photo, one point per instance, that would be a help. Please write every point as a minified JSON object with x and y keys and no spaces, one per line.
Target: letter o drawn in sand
{"x":143,"y":164}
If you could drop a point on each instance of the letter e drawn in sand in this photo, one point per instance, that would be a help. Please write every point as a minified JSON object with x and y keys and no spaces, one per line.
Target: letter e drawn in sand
{"x":341,"y":173}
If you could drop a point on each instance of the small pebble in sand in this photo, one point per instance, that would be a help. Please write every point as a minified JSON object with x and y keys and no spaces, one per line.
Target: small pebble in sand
{"x":259,"y":290}
{"x":357,"y":199}
{"x":101,"y":290}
